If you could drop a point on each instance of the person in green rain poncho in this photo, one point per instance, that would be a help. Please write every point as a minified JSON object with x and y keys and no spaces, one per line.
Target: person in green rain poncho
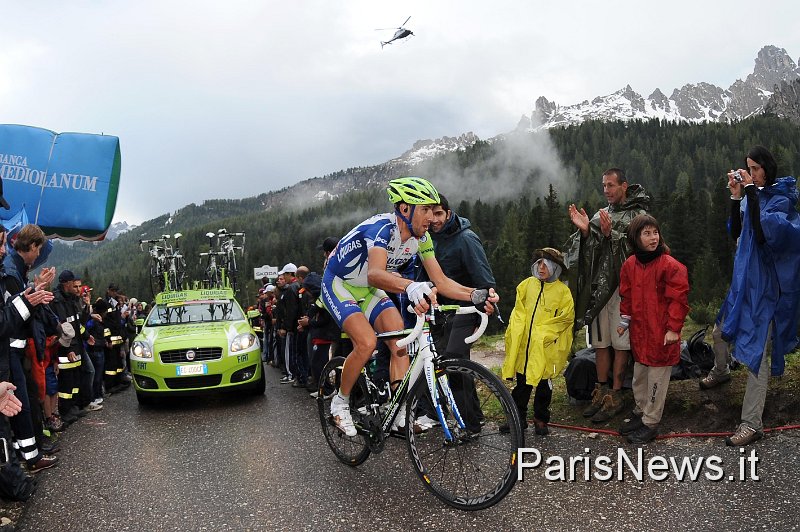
{"x":594,"y":255}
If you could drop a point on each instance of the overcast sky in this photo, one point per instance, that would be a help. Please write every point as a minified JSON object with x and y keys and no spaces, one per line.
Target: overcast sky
{"x":232,"y":99}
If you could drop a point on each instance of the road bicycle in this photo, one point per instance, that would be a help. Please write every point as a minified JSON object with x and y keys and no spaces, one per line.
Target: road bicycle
{"x":157,"y":250}
{"x":176,"y":265}
{"x":167,"y":266}
{"x":227,"y":253}
{"x":213,"y":274}
{"x":469,"y":464}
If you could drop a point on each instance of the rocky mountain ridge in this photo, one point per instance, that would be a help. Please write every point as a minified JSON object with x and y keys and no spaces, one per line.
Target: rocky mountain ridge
{"x":694,"y":102}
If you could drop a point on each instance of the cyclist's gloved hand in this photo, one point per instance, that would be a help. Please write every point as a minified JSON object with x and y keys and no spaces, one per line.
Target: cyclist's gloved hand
{"x":481,"y":296}
{"x":417,"y":292}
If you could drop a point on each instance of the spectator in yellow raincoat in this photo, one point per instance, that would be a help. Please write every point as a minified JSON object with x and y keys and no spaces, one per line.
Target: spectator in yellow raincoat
{"x":539,"y":336}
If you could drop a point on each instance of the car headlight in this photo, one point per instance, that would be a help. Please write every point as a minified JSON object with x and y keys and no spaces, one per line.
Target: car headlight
{"x":141,"y":349}
{"x":242,"y":342}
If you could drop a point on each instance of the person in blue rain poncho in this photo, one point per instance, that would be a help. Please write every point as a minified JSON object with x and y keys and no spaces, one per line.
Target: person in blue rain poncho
{"x":760,"y":313}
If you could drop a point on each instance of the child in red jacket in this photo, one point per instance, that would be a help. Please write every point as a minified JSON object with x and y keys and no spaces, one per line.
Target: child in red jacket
{"x":654,"y":289}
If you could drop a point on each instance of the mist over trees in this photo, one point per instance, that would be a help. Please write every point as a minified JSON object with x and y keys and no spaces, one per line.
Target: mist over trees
{"x":682,"y":167}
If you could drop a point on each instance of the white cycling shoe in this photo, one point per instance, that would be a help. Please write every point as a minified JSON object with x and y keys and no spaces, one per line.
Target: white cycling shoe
{"x":421,"y":424}
{"x":340,"y":411}
{"x":426,"y":422}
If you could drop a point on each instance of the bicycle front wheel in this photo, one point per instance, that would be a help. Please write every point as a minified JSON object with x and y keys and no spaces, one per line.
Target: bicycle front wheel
{"x":469,"y":464}
{"x":353,"y":450}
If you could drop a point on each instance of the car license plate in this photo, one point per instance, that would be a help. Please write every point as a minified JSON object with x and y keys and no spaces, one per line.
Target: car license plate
{"x":194,"y":369}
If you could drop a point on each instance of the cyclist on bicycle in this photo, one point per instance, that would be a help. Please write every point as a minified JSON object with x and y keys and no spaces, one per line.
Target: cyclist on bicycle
{"x":363,"y":268}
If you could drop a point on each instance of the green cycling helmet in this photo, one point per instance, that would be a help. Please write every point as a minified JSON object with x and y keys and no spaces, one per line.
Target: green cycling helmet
{"x":412,"y":190}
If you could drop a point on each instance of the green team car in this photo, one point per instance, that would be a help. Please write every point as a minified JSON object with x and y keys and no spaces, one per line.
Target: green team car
{"x":195,"y":341}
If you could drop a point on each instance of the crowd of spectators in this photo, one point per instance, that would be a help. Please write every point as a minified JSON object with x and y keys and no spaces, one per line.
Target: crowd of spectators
{"x":299,"y":335}
{"x":67,"y":354}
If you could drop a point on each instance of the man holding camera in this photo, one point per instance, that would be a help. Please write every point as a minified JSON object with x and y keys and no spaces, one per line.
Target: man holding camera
{"x":595,"y":255}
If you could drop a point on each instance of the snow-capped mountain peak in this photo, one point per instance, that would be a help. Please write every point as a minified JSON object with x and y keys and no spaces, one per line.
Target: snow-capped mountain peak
{"x":427,"y":148}
{"x":694,"y":102}
{"x":117,"y":228}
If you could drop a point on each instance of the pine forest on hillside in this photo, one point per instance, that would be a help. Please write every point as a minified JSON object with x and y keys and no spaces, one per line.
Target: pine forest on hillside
{"x":682,"y":167}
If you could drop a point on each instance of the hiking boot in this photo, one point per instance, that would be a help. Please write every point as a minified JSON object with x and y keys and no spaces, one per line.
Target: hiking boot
{"x":504,"y":428}
{"x":598,"y":394}
{"x":299,"y":384}
{"x":643,"y":434}
{"x":49,"y":447}
{"x":68,"y":419}
{"x":44,"y":462}
{"x":54,"y":423}
{"x":540,"y":427}
{"x":744,"y":435}
{"x":613,"y":404}
{"x":340,"y":411}
{"x":631,"y":425}
{"x":712,"y":381}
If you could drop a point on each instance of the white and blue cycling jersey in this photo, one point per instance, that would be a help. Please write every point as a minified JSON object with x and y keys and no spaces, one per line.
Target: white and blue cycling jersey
{"x":345,"y":287}
{"x":349,"y":259}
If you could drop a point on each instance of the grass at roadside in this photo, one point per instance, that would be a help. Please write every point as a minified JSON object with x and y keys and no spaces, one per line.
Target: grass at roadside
{"x":688,"y":409}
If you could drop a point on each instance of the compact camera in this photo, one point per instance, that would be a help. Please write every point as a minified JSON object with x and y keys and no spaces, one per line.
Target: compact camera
{"x":737,"y":176}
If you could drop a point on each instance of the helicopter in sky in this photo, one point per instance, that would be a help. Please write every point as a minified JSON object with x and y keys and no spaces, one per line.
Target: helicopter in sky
{"x":401,"y":33}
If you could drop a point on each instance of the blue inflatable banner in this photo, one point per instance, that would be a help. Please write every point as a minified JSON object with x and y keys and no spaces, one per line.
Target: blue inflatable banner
{"x":67,"y":183}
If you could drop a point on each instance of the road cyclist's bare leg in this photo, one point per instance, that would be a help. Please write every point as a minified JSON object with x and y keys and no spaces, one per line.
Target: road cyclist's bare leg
{"x":362,"y":335}
{"x":390,"y":320}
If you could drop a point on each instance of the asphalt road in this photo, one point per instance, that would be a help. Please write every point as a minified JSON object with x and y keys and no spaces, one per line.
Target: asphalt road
{"x":224,"y":463}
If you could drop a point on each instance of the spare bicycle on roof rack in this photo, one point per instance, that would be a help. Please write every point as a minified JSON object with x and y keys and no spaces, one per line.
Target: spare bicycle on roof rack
{"x":221,"y":268}
{"x":167,"y":265}
{"x":229,"y":248}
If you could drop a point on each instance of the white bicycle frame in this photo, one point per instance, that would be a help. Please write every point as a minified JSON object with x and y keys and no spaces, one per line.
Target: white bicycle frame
{"x":424,"y":363}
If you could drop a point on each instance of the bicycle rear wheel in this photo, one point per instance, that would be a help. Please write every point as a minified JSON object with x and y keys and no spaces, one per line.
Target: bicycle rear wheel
{"x":476,"y":467}
{"x":213,"y":278}
{"x":350,"y":450}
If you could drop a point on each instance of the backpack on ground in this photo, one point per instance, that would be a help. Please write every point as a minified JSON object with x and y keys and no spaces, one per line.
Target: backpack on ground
{"x":701,"y":353}
{"x":581,"y":375}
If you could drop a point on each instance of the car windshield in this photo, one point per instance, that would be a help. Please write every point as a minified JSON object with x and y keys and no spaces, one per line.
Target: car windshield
{"x":194,"y":312}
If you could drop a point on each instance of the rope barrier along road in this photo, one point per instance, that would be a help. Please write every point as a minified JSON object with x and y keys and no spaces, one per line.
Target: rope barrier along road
{"x":613,"y":432}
